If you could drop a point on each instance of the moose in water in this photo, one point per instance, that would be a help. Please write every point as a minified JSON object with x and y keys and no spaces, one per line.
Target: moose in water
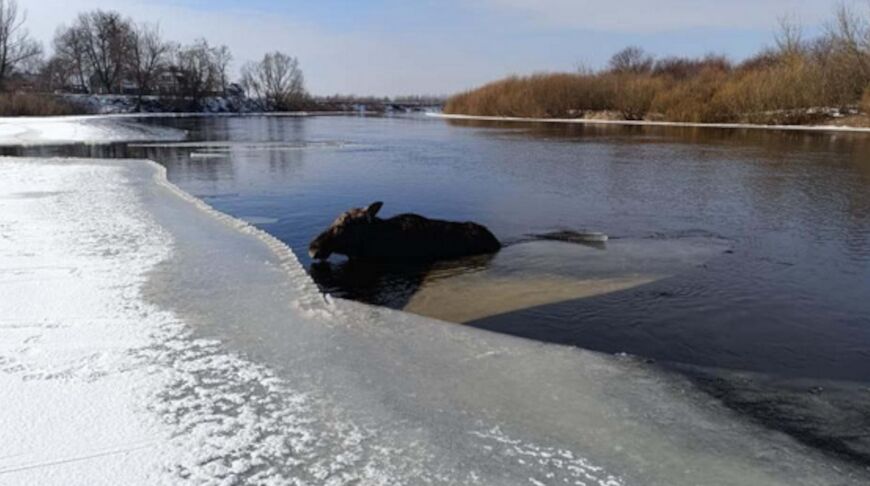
{"x":360,"y":234}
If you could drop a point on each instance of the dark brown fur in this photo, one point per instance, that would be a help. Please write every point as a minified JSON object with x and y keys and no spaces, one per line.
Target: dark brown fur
{"x":360,"y":234}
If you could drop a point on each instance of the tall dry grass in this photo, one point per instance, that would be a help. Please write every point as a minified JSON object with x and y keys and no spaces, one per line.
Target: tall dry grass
{"x":34,"y":104}
{"x":774,"y":93}
{"x":787,"y":85}
{"x":538,"y":96}
{"x":634,"y":95}
{"x":783,"y":93}
{"x":691,"y":100}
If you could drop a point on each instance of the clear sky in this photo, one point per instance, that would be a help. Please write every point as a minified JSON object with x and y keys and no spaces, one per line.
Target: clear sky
{"x":395,"y":47}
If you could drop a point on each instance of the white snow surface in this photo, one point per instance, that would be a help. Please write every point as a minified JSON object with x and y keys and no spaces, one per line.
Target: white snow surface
{"x":80,"y":129}
{"x":83,"y":359}
{"x":147,"y":339}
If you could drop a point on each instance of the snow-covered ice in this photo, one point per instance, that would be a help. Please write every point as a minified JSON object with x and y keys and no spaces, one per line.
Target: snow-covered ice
{"x":80,"y":129}
{"x":148,"y":339}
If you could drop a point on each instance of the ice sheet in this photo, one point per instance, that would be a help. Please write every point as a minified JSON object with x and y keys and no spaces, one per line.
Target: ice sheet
{"x":148,"y":339}
{"x":80,"y":129}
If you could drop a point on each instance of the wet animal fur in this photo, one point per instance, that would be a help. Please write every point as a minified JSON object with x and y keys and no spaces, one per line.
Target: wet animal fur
{"x":360,"y":234}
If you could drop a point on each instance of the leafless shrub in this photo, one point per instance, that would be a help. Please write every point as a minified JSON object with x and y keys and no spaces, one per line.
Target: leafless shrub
{"x":774,"y":95}
{"x":541,"y":95}
{"x":54,"y":74}
{"x":634,"y":95}
{"x":632,"y":60}
{"x":692,"y":99}
{"x":765,"y":59}
{"x":680,"y":68}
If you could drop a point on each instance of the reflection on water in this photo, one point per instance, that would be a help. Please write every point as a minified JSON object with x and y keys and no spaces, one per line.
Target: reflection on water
{"x":779,"y":288}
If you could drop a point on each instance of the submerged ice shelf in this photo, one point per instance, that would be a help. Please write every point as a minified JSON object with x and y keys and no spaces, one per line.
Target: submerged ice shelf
{"x":149,"y":339}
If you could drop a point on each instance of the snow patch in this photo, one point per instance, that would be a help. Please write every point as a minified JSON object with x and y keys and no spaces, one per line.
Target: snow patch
{"x":80,"y":129}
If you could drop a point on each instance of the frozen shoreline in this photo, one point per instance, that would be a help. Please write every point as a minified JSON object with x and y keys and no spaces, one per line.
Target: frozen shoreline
{"x":106,"y":128}
{"x":151,"y":339}
{"x":80,"y":129}
{"x":642,"y":123}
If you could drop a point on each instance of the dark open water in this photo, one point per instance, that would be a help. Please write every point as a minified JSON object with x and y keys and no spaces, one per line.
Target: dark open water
{"x":756,"y":244}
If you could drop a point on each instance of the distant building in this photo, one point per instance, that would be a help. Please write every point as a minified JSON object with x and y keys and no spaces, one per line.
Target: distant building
{"x":129,"y":87}
{"x":235,"y":90}
{"x":169,"y":81}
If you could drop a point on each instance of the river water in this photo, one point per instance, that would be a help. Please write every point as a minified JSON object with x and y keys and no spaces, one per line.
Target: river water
{"x":738,"y":257}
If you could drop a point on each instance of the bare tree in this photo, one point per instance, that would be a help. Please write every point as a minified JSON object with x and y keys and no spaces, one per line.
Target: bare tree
{"x":17,"y":49}
{"x":790,"y":38}
{"x":199,"y":72}
{"x":632,"y":60}
{"x":849,"y":62}
{"x":277,"y":80}
{"x":222,"y":58}
{"x":149,"y":55}
{"x":99,"y":42}
{"x":851,"y":32}
{"x":55,"y":74}
{"x":69,"y":52}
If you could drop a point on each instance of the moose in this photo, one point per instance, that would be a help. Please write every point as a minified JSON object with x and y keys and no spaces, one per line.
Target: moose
{"x":359,"y":234}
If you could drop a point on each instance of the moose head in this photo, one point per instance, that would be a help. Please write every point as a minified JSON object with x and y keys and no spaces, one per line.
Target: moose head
{"x":346,"y":233}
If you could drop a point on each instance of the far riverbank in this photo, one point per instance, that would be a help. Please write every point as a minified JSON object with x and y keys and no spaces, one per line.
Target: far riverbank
{"x":594,"y":121}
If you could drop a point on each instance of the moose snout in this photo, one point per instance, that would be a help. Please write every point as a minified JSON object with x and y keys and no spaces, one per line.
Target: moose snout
{"x":316,"y":251}
{"x":318,"y":254}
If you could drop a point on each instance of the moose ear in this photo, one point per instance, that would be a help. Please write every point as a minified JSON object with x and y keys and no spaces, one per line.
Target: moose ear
{"x":373,"y":208}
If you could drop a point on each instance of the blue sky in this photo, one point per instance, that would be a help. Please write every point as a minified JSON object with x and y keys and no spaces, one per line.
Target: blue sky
{"x":393,"y":47}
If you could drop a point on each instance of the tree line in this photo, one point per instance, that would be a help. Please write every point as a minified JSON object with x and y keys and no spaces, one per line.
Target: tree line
{"x":797,"y":80}
{"x":103,"y":52}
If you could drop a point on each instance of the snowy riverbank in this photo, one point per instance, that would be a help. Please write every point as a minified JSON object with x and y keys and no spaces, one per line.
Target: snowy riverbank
{"x":148,"y":339}
{"x":79,"y":129}
{"x":644,"y":123}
